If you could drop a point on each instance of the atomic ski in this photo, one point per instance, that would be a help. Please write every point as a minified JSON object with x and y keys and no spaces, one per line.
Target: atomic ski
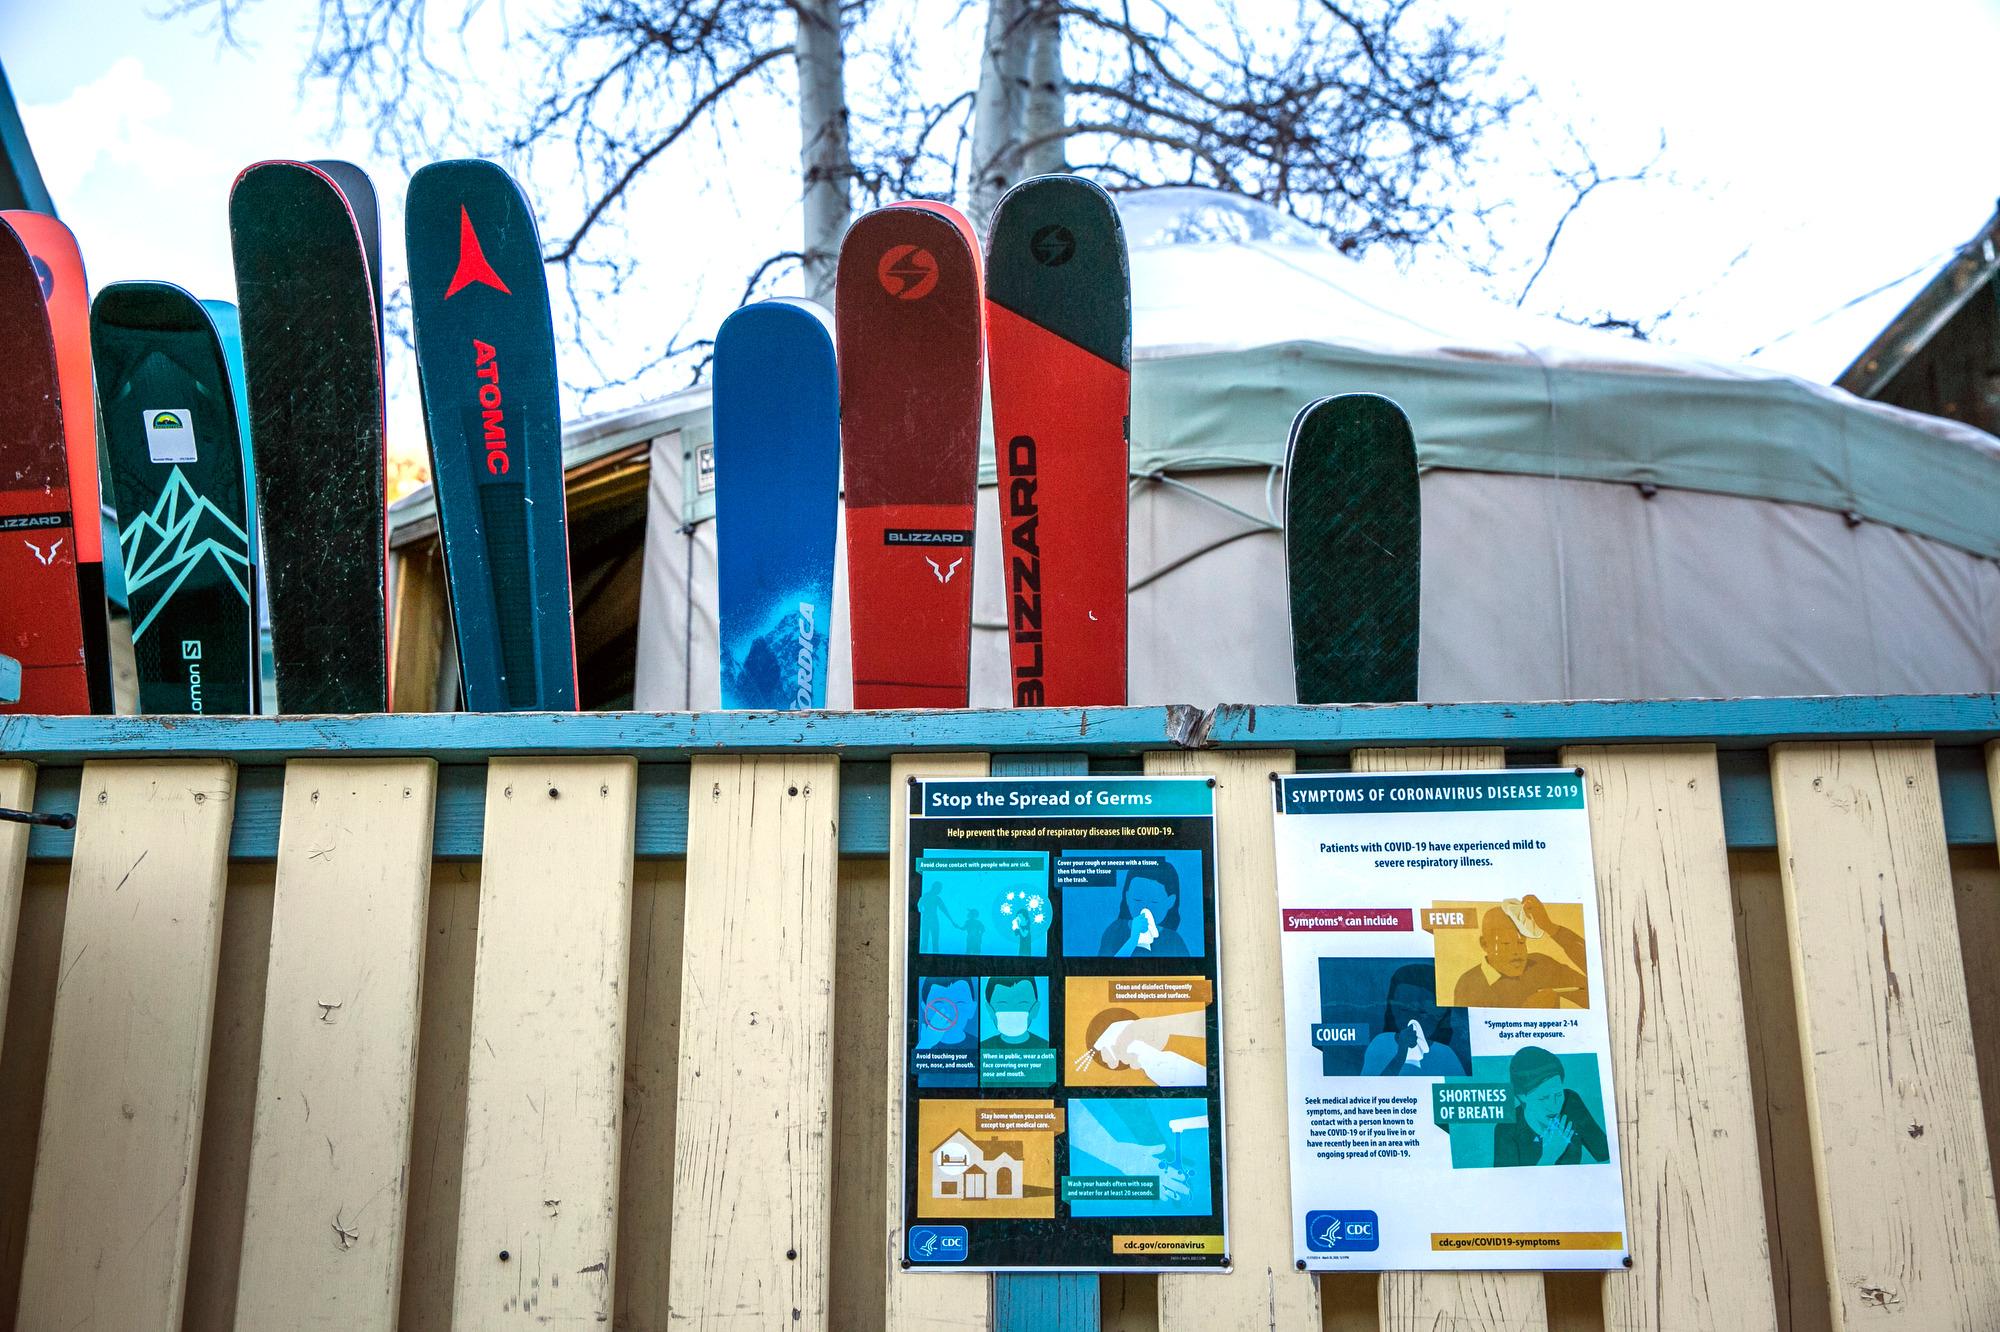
{"x":359,"y":191}
{"x":315,"y":386}
{"x":777,"y":498}
{"x":1353,"y":540}
{"x":59,"y":265}
{"x":486,"y":357}
{"x":909,"y":324}
{"x":1059,"y":328}
{"x":176,"y":479}
{"x":40,"y":626}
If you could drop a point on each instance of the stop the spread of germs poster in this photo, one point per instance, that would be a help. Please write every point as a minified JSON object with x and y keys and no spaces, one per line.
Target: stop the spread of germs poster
{"x":1062,"y":1049}
{"x":1446,"y":1048}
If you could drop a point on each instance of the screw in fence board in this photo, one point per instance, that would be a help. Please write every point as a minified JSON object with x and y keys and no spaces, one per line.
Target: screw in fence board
{"x":1055,"y":1301}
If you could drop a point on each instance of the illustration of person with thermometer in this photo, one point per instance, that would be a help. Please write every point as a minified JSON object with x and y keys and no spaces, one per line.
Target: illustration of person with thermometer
{"x":1148,"y":923}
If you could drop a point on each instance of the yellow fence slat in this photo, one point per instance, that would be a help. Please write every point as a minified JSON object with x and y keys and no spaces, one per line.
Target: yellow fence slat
{"x":1687,"y":1126}
{"x":17,"y":791}
{"x":538,"y":1202}
{"x":1905,"y":1187}
{"x":330,"y":1146}
{"x":128,"y":1060}
{"x":917,"y":1301}
{"x":1264,"y":1289}
{"x":753,"y":1169}
{"x":1423,"y":1301}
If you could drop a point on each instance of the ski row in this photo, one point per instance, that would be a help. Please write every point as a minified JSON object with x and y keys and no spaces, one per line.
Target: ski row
{"x":222,"y":422}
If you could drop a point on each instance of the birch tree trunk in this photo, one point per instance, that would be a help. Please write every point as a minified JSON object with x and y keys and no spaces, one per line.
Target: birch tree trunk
{"x":999,"y":106}
{"x":1041,"y":129}
{"x":825,"y":166}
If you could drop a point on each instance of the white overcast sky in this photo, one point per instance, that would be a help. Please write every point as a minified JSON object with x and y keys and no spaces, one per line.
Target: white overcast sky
{"x":1832,"y":144}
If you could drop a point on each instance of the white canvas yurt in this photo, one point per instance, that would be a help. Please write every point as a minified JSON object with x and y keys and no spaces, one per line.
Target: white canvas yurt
{"x":1603,"y":518}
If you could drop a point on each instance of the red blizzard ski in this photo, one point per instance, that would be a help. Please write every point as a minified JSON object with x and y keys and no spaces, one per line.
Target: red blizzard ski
{"x":1059,"y":324}
{"x":908,"y":331}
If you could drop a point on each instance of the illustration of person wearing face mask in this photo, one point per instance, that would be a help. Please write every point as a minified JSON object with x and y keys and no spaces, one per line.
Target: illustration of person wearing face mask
{"x":1016,"y":1053}
{"x":1149,"y":916}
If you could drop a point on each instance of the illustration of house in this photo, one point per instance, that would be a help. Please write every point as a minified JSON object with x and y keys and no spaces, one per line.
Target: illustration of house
{"x":964,"y":1168}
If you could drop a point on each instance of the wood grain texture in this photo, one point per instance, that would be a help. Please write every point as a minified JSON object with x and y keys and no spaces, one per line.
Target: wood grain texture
{"x":1448,"y":1301}
{"x":128,"y":1059}
{"x":1263,"y":1288}
{"x":652,"y":1080}
{"x":753,"y":1175}
{"x":1778,"y":1085}
{"x":323,"y":1216}
{"x":538,"y":1204}
{"x":230,"y":1105}
{"x":917,"y":1301}
{"x":861,"y":1060}
{"x":17,"y":791}
{"x":1687,"y":1129}
{"x":437,"y":1133}
{"x":420,"y":621}
{"x":1905,"y":1186}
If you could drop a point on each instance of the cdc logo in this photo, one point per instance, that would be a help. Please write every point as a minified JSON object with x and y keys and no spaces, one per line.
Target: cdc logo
{"x":938,"y":1244}
{"x":1341,"y":1232}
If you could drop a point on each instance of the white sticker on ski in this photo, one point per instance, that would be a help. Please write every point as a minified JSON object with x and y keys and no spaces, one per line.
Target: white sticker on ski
{"x":170,"y":434}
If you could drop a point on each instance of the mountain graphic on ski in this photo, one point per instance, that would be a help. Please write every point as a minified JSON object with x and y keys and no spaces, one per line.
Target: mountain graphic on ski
{"x":314,"y":374}
{"x":1059,"y":348}
{"x":359,"y":191}
{"x":486,"y":357}
{"x":59,"y":265}
{"x":909,"y":324}
{"x":1353,"y":546}
{"x":40,"y":626}
{"x":777,"y":496}
{"x":178,"y":481}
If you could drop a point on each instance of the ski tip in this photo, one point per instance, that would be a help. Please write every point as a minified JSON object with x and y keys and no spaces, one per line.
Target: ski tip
{"x":150,"y":304}
{"x":791,"y":314}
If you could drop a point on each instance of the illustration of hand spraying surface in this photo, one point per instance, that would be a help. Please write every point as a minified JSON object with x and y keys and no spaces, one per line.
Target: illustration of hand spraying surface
{"x":1142,"y":1043}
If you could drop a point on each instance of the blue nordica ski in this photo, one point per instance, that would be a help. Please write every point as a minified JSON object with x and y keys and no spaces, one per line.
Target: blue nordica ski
{"x":486,"y":356}
{"x":177,"y":478}
{"x":777,"y":496}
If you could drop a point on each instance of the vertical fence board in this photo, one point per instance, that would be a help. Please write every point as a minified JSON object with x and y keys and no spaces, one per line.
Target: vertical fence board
{"x":17,"y":791}
{"x":1263,"y":1288}
{"x":1791,"y":1204}
{"x":230,"y":1104}
{"x":652,"y":1077}
{"x":917,"y":1301}
{"x":422,"y":620}
{"x":437,"y":1131}
{"x":1434,"y":1301}
{"x":1905,"y":1189}
{"x":1687,"y":1128}
{"x":544,"y":1082}
{"x":128,"y":1061}
{"x":323,"y":1215}
{"x":861,"y":1057}
{"x":752,"y":1169}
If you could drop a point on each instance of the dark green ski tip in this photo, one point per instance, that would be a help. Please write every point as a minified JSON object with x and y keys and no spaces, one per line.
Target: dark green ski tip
{"x":1353,"y":551}
{"x":1055,"y":255}
{"x":153,"y":306}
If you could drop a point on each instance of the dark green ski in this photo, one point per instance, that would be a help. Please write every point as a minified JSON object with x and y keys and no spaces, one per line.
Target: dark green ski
{"x":486,"y":357}
{"x":177,"y":481}
{"x":314,"y":368}
{"x":1353,"y":525}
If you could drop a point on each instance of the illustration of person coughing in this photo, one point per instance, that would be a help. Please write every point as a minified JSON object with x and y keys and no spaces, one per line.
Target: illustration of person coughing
{"x":1548,"y":1123}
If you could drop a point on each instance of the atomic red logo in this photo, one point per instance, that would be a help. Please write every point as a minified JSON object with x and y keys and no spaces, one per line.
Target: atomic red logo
{"x":907,"y":272}
{"x":472,"y":265}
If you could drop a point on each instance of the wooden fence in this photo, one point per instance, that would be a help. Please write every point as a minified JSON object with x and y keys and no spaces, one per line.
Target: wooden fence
{"x":566,"y":1020}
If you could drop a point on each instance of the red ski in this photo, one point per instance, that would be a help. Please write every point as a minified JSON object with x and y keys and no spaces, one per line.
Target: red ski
{"x":1059,"y":322}
{"x":40,"y":625}
{"x":908,"y":329}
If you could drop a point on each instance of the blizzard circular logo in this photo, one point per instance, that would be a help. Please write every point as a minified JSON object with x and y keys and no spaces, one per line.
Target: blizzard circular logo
{"x":1341,"y":1232}
{"x":1053,"y":245}
{"x":939,"y":1244}
{"x":907,"y":272}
